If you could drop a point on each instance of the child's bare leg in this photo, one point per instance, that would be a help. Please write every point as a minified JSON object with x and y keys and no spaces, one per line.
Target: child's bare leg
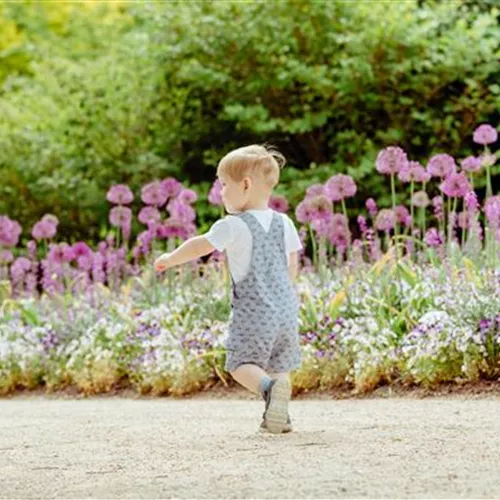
{"x":252,"y":377}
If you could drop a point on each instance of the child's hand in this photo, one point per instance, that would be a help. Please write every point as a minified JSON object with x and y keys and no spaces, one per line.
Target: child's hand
{"x":161,"y":263}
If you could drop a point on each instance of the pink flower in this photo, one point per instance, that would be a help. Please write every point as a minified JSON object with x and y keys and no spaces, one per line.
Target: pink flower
{"x":492,"y":210}
{"x":363,"y":226}
{"x":463,"y":220}
{"x":471,"y":202}
{"x":455,"y":185}
{"x":187,"y":196}
{"x":153,"y":194}
{"x":81,"y":249}
{"x":391,"y":160}
{"x":339,"y":222}
{"x":279,"y":203}
{"x":485,"y":134}
{"x":321,"y":207}
{"x":371,"y":206}
{"x":214,"y":196}
{"x":434,"y":238}
{"x":60,"y":253}
{"x":437,"y":203}
{"x":120,"y":194}
{"x":171,"y":187}
{"x":413,"y":172}
{"x":340,"y":237}
{"x":181,"y":211}
{"x":304,"y":212}
{"x":120,"y":216}
{"x":402,"y":214}
{"x":471,"y":164}
{"x":421,"y":199}
{"x":441,"y":165}
{"x":6,"y":257}
{"x":315,"y":190}
{"x":10,"y":231}
{"x":386,"y":220}
{"x":43,"y":230}
{"x":339,"y":187}
{"x":149,"y":215}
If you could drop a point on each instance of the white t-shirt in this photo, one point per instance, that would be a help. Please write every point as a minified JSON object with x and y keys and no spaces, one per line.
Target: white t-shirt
{"x":233,"y":235}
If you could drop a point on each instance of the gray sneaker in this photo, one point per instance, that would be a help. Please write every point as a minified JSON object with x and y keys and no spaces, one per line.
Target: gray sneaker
{"x":277,"y":396}
{"x":288,"y":427}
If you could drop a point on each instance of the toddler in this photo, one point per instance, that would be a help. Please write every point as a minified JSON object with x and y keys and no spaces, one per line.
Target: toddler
{"x":262,"y":252}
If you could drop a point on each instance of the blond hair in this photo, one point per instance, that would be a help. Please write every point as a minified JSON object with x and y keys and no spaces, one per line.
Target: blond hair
{"x":253,"y":160}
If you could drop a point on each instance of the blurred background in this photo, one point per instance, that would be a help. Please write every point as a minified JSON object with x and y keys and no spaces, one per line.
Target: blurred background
{"x":96,"y":93}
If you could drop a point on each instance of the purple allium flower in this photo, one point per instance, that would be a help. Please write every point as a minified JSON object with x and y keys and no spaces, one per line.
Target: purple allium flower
{"x":120,"y":194}
{"x":485,"y":134}
{"x":319,"y":207}
{"x":149,"y":215}
{"x":279,"y":203}
{"x":492,"y":210}
{"x":340,"y":236}
{"x":214,"y":196}
{"x":471,"y":202}
{"x":187,"y":196}
{"x":471,"y":164}
{"x":386,"y":220}
{"x":153,"y":194}
{"x":81,"y":249}
{"x":421,"y":199}
{"x":437,"y":203}
{"x":304,"y":212}
{"x":456,"y":185}
{"x":391,"y":160}
{"x":171,"y":187}
{"x":339,"y":187}
{"x":31,"y":247}
{"x":441,"y":165}
{"x":488,"y":159}
{"x":363,"y":226}
{"x":43,"y":230}
{"x":120,"y":216}
{"x":181,"y":211}
{"x":6,"y":257}
{"x":315,"y":190}
{"x":371,"y":206}
{"x":51,"y":219}
{"x":402,"y":214}
{"x":10,"y":230}
{"x":413,"y":172}
{"x":57,"y":253}
{"x":463,"y":220}
{"x":433,"y":238}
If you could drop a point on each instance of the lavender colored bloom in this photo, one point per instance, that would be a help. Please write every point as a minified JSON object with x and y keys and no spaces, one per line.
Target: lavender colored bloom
{"x":149,"y":215}
{"x":413,"y":172}
{"x":321,"y":207}
{"x":437,"y":203}
{"x":10,"y":232}
{"x":488,"y":159}
{"x":371,"y":206}
{"x":471,"y":201}
{"x":81,"y":249}
{"x":485,"y":134}
{"x":434,"y":238}
{"x":471,"y":164}
{"x":402,"y":214}
{"x":154,"y":194}
{"x":43,"y":230}
{"x":31,"y":247}
{"x":279,"y":203}
{"x":420,"y":199}
{"x":315,"y":190}
{"x":85,"y":262}
{"x":391,"y":160}
{"x":492,"y":210}
{"x":187,"y":196}
{"x":214,"y":196}
{"x":171,"y":187}
{"x":363,"y":226}
{"x":181,"y":211}
{"x":51,"y":219}
{"x":340,"y":237}
{"x":6,"y":257}
{"x":386,"y":220}
{"x":339,"y":187}
{"x":441,"y":165}
{"x":120,"y":194}
{"x":456,"y":185}
{"x":120,"y":216}
{"x":463,"y":220}
{"x":304,"y":212}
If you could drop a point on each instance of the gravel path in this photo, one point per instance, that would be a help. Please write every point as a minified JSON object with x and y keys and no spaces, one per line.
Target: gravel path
{"x":164,"y":448}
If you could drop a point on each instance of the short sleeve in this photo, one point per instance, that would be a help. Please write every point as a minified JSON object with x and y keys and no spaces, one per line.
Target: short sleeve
{"x":292,"y":239}
{"x":220,"y":235}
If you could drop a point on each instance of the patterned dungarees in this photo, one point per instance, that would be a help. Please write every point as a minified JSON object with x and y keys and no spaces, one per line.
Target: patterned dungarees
{"x":263,"y":328}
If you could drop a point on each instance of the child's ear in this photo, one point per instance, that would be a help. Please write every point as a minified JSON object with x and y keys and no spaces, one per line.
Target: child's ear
{"x":247,"y":183}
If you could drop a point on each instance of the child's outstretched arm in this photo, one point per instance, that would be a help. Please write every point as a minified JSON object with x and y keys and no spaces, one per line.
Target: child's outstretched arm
{"x":293,"y":265}
{"x":191,"y":249}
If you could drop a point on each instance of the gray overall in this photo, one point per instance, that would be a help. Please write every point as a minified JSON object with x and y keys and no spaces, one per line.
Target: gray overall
{"x":263,"y":328}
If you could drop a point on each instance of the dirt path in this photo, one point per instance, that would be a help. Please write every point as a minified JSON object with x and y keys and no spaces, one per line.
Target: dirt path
{"x":162,"y":448}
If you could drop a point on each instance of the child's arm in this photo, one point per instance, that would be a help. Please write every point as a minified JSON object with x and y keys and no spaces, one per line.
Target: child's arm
{"x":293,"y":265}
{"x":191,"y":249}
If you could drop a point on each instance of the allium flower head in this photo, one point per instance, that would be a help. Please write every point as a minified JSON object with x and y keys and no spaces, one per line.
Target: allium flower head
{"x":304,"y":212}
{"x":402,"y":214}
{"x":187,"y":196}
{"x":386,"y":220}
{"x":371,"y":206}
{"x":421,"y":199}
{"x":413,"y":172}
{"x":51,"y":219}
{"x":488,"y":159}
{"x":120,"y":216}
{"x":214,"y":196}
{"x":10,"y":231}
{"x":120,"y":194}
{"x":154,"y":194}
{"x":279,"y":203}
{"x":456,"y":185}
{"x":485,"y":134}
{"x":471,"y":202}
{"x":391,"y":160}
{"x":315,"y":190}
{"x":43,"y":230}
{"x":434,"y":238}
{"x":181,"y":211}
{"x":339,"y":187}
{"x":6,"y":257}
{"x":321,"y":207}
{"x":471,"y":164}
{"x":492,"y":210}
{"x":171,"y":187}
{"x":149,"y":215}
{"x":441,"y":165}
{"x":81,"y":249}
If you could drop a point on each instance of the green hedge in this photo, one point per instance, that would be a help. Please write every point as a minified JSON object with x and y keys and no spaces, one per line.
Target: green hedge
{"x":167,"y":88}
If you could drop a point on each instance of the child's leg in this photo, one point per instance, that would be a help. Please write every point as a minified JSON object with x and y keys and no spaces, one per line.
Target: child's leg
{"x":252,"y":377}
